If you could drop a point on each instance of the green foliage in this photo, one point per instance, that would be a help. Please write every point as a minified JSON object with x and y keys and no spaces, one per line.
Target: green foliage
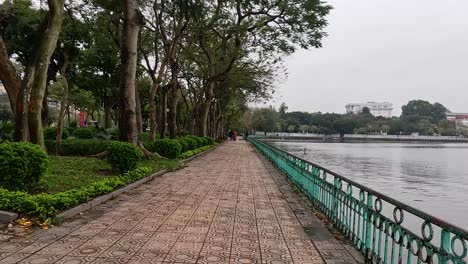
{"x":194,"y":152}
{"x":123,"y":156}
{"x":73,"y":124}
{"x":21,"y":165}
{"x":46,"y":206}
{"x":200,"y":141}
{"x":169,"y":148}
{"x":209,"y":141}
{"x":50,"y":133}
{"x":79,"y":147}
{"x":424,"y":110}
{"x":66,"y":173}
{"x":6,"y":115}
{"x":191,"y":143}
{"x":183,"y":144}
{"x":84,"y":133}
{"x":7,"y":131}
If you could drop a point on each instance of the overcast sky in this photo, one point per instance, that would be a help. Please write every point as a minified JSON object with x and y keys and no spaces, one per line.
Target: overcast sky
{"x":383,"y":50}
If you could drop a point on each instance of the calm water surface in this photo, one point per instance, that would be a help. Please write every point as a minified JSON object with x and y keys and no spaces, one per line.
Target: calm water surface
{"x":432,"y":177}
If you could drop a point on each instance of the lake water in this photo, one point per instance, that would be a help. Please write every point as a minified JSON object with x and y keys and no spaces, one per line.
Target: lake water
{"x":431,"y":177}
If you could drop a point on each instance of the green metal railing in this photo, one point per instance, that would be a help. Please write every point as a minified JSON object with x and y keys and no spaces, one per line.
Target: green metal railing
{"x":373,"y":222}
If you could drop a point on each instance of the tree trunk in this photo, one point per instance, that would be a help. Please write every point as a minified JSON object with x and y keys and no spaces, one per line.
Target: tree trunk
{"x":174,"y":100}
{"x":68,"y":115}
{"x":45,"y":109}
{"x":206,"y":110}
{"x":153,"y":112}
{"x":152,"y":95}
{"x":128,"y":119}
{"x":11,"y":81}
{"x":138,"y":112}
{"x":63,"y":103}
{"x":163,"y":113}
{"x":107,"y":113}
{"x":42,"y":57}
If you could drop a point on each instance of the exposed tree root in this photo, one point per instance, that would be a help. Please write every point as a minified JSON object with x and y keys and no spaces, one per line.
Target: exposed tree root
{"x":149,"y":154}
{"x":146,"y":153}
{"x":101,"y":155}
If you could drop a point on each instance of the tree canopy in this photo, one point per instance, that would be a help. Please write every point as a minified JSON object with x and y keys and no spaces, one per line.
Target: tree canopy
{"x":179,"y":66}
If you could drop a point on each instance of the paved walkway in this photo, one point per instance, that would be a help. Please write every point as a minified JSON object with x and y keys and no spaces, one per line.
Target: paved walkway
{"x":228,"y":206}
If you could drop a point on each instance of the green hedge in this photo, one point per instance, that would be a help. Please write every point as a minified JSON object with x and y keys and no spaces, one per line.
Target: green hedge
{"x":191,"y":143}
{"x":45,"y":206}
{"x":169,"y":148}
{"x":21,"y":165}
{"x":50,"y":133}
{"x":123,"y":156}
{"x":191,"y":153}
{"x":79,"y":147}
{"x":209,"y":140}
{"x":183,"y":144}
{"x":84,"y":133}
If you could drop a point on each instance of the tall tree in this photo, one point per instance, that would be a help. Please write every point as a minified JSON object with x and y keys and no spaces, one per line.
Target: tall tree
{"x":133,"y":20}
{"x":32,"y":88}
{"x":37,"y":74}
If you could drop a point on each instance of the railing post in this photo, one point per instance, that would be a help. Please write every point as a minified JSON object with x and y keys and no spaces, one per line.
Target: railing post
{"x":368,"y":216}
{"x":445,"y":245}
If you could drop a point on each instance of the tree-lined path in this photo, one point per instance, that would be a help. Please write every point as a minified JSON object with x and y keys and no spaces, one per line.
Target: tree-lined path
{"x":227,"y":206}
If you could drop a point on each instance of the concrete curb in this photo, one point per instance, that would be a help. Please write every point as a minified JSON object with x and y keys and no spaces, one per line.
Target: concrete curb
{"x":104,"y":198}
{"x":7,"y":217}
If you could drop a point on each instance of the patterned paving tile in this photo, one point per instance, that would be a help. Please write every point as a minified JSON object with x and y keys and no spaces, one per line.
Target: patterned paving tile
{"x":228,"y":206}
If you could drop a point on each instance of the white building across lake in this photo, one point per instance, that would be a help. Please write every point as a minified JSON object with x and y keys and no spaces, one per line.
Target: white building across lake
{"x":377,"y":109}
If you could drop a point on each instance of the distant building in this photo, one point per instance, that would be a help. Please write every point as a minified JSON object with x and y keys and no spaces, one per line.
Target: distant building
{"x":460,"y":119}
{"x":377,"y":109}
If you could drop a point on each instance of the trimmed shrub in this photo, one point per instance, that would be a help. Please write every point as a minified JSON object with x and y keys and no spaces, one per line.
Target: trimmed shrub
{"x":123,"y":156}
{"x":168,"y":148}
{"x":79,"y":147}
{"x":200,"y":142}
{"x":73,"y":124}
{"x":183,"y":144}
{"x":84,"y":133}
{"x":50,"y":133}
{"x":21,"y":165}
{"x":191,"y":143}
{"x":209,"y":140}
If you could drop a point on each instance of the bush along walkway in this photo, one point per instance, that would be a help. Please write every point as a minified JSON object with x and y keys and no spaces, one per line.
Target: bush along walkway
{"x":223,"y":207}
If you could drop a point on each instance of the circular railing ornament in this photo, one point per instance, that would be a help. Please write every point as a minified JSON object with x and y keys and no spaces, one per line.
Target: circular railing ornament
{"x":464,"y":250}
{"x":425,"y":236}
{"x":362,"y":196}
{"x":398,"y":218}
{"x":378,"y":205}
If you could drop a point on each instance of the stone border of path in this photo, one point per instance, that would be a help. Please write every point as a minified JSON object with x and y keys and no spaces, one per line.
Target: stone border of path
{"x":8,"y":217}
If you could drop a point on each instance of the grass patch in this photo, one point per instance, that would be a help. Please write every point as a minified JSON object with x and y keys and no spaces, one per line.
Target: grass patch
{"x":67,"y":173}
{"x":160,"y":164}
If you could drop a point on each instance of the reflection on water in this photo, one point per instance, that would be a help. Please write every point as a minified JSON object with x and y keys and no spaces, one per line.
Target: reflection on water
{"x":431,"y":177}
